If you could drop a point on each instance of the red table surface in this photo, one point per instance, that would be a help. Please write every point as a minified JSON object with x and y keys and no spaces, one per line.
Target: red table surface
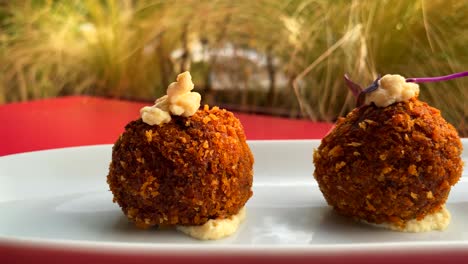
{"x":81,"y":120}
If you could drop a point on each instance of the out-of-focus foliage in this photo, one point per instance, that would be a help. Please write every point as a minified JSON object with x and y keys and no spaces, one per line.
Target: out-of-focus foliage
{"x":278,"y":57}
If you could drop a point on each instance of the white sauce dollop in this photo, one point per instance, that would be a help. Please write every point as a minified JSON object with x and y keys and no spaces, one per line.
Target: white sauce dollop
{"x":392,"y":88}
{"x":178,"y":101}
{"x":436,"y":221}
{"x":215,"y":228}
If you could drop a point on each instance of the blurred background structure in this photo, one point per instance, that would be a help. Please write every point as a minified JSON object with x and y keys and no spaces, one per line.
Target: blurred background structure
{"x":275,"y":57}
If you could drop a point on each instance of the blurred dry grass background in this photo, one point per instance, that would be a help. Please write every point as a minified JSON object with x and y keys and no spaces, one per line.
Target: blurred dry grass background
{"x":276,"y":57}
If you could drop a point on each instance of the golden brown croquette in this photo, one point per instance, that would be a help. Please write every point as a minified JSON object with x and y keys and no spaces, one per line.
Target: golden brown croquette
{"x":389,"y":165}
{"x":185,"y":172}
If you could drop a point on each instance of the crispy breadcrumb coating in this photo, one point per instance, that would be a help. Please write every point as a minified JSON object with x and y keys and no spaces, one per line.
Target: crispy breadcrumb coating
{"x":185,"y":172}
{"x":391,"y":164}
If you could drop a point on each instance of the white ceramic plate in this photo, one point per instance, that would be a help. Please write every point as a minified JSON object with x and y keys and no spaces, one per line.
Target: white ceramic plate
{"x":60,"y":198}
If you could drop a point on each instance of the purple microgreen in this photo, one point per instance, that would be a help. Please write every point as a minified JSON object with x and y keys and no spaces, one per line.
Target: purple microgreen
{"x":355,"y":88}
{"x":438,"y":79}
{"x":362,"y":96}
{"x":374,"y":85}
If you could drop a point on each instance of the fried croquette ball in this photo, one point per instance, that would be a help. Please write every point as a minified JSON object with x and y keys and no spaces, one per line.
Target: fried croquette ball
{"x":184,"y":172}
{"x":389,"y":165}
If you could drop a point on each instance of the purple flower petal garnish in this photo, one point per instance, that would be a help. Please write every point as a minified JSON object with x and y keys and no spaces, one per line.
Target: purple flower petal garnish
{"x":438,"y":79}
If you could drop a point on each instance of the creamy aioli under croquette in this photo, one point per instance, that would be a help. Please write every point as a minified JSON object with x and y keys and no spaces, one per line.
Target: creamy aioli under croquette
{"x":179,"y":101}
{"x":392,"y":88}
{"x":435,"y":221}
{"x":215,"y":228}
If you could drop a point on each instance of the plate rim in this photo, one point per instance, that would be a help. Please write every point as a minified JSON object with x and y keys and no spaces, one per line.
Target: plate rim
{"x":200,"y":249}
